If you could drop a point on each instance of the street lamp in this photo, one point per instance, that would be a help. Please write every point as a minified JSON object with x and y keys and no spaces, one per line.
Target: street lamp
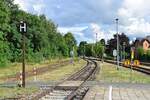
{"x":117,"y":43}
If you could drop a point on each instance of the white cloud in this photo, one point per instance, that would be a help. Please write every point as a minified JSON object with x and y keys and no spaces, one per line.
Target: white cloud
{"x":122,"y":12}
{"x":88,"y":32}
{"x":101,"y":34}
{"x":72,"y":29}
{"x":22,"y":4}
{"x":39,"y":7}
{"x":97,"y":31}
{"x":77,"y":31}
{"x":138,"y":26}
{"x":137,"y":8}
{"x":134,"y":15}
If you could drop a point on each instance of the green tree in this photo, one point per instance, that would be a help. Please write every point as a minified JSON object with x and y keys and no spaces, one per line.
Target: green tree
{"x":4,"y":28}
{"x":99,"y":49}
{"x":148,"y":55}
{"x":82,"y":47}
{"x":112,"y":43}
{"x":140,"y":52}
{"x":89,"y":50}
{"x":70,"y":41}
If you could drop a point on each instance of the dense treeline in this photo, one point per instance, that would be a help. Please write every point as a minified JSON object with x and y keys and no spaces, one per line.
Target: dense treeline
{"x":92,"y":49}
{"x":43,"y":41}
{"x":102,"y":49}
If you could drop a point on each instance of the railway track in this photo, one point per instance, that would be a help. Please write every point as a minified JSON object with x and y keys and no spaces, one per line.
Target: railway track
{"x":137,"y":68}
{"x":140,"y":69}
{"x":84,"y":75}
{"x":76,"y":92}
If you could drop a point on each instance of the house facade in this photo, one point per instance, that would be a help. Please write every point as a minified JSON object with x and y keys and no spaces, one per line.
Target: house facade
{"x":143,"y":42}
{"x":146,"y":44}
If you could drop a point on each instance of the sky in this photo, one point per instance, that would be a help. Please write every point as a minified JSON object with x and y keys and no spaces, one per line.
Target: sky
{"x":85,"y":18}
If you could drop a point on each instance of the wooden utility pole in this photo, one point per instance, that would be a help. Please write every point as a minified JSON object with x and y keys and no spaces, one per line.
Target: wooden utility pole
{"x":23,"y":61}
{"x":23,"y":30}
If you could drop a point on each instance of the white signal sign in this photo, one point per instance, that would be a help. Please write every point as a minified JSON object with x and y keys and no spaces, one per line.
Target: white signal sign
{"x":115,"y":53}
{"x":23,"y":27}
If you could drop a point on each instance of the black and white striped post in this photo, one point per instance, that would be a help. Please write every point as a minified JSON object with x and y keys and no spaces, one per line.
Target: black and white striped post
{"x":20,"y":79}
{"x":35,"y":74}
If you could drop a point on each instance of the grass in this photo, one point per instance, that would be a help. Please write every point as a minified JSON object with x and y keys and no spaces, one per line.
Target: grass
{"x":14,"y":92}
{"x":109,"y":73}
{"x":60,"y":73}
{"x":17,"y":67}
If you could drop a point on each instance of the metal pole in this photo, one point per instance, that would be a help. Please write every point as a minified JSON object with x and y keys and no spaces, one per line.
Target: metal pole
{"x":96,"y":37}
{"x":84,"y":50}
{"x":23,"y":60}
{"x":93,"y":49}
{"x":96,"y":46}
{"x":117,"y":44}
{"x":121,"y":51}
{"x":124,"y":51}
{"x":103,"y":53}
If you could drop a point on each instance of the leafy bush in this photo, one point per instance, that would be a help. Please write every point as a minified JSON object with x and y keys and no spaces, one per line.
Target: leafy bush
{"x":148,"y":55}
{"x":140,"y":53}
